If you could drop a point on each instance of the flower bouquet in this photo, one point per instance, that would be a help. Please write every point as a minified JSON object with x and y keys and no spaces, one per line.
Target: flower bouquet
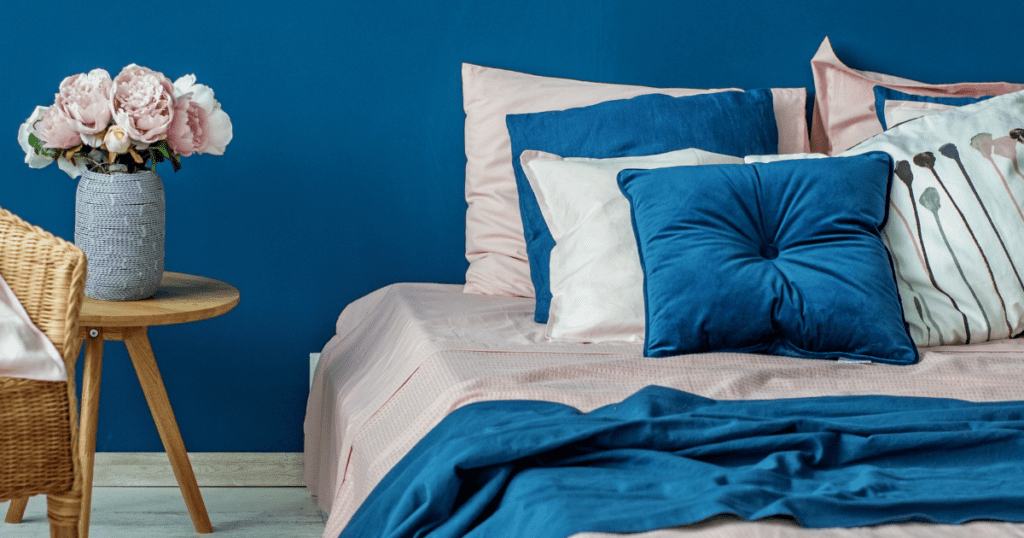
{"x":125,"y":124}
{"x":112,"y":132}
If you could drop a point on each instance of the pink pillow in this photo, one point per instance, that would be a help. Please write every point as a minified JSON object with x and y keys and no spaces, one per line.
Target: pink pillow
{"x":495,"y":246}
{"x":844,"y":102}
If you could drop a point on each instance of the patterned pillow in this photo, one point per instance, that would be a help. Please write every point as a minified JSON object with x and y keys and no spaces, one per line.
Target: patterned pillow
{"x":784,"y":258}
{"x":957,"y":221}
{"x":894,"y":107}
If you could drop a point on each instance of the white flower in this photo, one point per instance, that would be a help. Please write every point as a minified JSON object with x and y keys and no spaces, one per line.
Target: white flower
{"x":184,"y":85}
{"x":218,"y":131}
{"x":73,"y":169}
{"x":30,"y":127}
{"x":221,"y":133}
{"x":117,"y":140}
{"x":91,"y":140}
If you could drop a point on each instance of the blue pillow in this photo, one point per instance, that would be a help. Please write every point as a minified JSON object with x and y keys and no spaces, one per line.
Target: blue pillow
{"x":883,"y":94}
{"x":733,"y":123}
{"x":783,"y":258}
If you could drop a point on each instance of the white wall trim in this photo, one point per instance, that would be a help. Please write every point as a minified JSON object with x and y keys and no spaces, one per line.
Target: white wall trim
{"x":314,"y":360}
{"x":241,"y":469}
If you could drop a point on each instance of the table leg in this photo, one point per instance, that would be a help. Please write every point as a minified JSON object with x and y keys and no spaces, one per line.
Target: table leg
{"x":91,"y":374}
{"x":141,"y":353}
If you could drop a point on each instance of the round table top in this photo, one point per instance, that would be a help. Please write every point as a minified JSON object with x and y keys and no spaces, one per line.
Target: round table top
{"x":181,"y":298}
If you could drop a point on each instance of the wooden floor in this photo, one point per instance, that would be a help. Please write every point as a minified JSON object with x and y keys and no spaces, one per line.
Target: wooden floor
{"x":122,"y":512}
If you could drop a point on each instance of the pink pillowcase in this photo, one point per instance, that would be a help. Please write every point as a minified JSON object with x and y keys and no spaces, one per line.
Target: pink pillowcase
{"x":495,"y":246}
{"x":844,"y":101}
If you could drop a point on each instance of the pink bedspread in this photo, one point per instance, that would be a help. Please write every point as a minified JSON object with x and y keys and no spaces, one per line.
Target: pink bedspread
{"x":406,"y":355}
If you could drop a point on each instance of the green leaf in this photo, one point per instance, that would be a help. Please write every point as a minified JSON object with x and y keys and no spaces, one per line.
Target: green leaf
{"x":37,"y":145}
{"x":165,"y":152}
{"x":175,"y":161}
{"x":35,"y":142}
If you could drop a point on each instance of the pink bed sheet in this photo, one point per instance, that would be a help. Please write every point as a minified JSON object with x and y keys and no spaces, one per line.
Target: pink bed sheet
{"x":406,"y":355}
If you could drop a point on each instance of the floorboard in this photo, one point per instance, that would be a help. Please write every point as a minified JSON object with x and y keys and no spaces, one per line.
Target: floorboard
{"x":122,"y":512}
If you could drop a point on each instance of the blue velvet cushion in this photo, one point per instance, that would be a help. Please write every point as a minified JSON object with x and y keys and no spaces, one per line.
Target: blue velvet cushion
{"x":783,"y":258}
{"x":883,"y":94}
{"x":733,"y":123}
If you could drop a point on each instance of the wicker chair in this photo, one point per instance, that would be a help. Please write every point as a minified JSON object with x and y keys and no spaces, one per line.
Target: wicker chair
{"x":39,"y":419}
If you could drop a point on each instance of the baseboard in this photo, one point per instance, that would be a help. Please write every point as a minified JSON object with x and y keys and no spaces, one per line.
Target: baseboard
{"x":240,"y":469}
{"x":314,"y":360}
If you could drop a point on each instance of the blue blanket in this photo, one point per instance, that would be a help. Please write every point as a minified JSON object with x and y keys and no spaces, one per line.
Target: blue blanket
{"x":663,"y":458}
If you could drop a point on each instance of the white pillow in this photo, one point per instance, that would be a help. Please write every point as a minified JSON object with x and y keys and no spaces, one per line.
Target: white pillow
{"x":495,"y":247}
{"x":596,"y":279}
{"x":749,"y":159}
{"x":25,"y":351}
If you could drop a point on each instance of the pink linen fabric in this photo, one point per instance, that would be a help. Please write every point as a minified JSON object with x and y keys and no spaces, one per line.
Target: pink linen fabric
{"x":25,"y":351}
{"x":405,"y":356}
{"x":495,"y":247}
{"x":844,"y":101}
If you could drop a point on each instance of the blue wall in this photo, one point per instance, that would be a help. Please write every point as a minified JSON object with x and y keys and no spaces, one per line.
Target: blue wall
{"x":346,"y":169}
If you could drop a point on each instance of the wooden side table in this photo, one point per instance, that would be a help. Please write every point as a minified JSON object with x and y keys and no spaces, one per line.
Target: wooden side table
{"x":181,"y":298}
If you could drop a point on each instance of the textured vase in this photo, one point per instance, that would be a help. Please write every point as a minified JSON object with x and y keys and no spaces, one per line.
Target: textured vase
{"x":119,"y":224}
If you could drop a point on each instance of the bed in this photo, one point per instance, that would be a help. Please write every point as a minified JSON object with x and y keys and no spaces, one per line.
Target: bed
{"x":847,"y":280}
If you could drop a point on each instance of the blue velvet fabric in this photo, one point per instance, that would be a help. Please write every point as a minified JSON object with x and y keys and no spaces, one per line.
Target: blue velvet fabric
{"x":883,"y":94}
{"x":732,"y":123}
{"x":783,"y":258}
{"x":664,"y":458}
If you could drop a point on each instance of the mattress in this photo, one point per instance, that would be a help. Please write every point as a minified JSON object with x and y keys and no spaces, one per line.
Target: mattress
{"x":406,"y":355}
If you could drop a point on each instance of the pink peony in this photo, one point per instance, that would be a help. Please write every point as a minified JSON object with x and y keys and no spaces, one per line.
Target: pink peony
{"x":55,"y":132}
{"x":188,"y":131}
{"x":84,"y":102}
{"x":206,"y":129}
{"x":142,"y":102}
